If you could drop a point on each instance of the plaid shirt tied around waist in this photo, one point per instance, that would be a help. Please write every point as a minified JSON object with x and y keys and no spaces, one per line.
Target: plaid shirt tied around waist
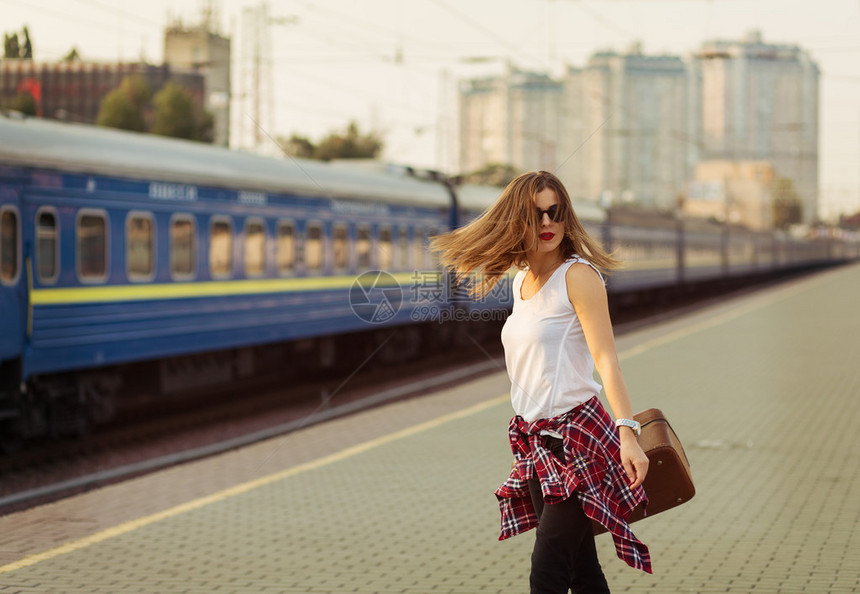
{"x":593,"y":472}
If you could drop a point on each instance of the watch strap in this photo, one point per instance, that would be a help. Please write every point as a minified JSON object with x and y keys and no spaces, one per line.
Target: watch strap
{"x":637,"y":428}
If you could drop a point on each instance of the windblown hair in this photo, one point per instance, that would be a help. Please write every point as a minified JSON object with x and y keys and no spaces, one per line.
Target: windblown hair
{"x":500,"y":237}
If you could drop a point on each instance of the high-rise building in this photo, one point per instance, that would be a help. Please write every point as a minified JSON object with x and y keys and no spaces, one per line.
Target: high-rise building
{"x":201,"y":49}
{"x":626,"y":133}
{"x":629,"y":127}
{"x":760,"y":102}
{"x":511,"y":119}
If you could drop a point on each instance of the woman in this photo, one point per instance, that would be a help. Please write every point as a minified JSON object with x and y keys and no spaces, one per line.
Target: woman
{"x":573,"y":466}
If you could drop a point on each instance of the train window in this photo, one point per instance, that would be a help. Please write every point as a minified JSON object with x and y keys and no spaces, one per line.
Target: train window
{"x":182,"y":253}
{"x":403,"y":250}
{"x":220,"y":248}
{"x":314,"y":247}
{"x":47,"y":246}
{"x":9,"y":240}
{"x":430,"y":258}
{"x":341,"y":248}
{"x":255,"y":248}
{"x":362,"y":248}
{"x":386,"y":255}
{"x":92,"y":246}
{"x":286,"y":248}
{"x":418,"y":248}
{"x":140,"y":246}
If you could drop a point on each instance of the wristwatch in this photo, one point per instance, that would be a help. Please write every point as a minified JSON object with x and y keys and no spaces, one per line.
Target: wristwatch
{"x":637,"y":428}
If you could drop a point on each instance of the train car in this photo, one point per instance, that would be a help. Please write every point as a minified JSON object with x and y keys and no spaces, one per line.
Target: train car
{"x":121,"y":248}
{"x":472,"y":201}
{"x":647,"y":244}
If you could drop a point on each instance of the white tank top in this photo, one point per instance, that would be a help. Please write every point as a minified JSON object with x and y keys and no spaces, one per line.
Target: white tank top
{"x":548,"y":360}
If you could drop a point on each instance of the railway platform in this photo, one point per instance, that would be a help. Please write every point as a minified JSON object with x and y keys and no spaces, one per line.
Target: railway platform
{"x":763,"y":390}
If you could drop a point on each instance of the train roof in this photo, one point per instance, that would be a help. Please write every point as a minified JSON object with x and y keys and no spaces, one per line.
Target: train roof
{"x":587,"y":210}
{"x":87,"y":149}
{"x":477,"y":198}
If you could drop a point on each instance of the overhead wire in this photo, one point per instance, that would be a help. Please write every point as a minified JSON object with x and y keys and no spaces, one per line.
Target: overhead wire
{"x":477,"y":26}
{"x":371,"y":25}
{"x":66,"y":16}
{"x":604,"y":21}
{"x":353,"y":90}
{"x":343,"y":34}
{"x":119,"y":12}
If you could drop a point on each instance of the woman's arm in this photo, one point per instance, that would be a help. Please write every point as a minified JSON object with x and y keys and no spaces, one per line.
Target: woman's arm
{"x":588,"y":297}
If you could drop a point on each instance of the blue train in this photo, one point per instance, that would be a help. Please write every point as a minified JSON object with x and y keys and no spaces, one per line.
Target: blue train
{"x":208,"y":265}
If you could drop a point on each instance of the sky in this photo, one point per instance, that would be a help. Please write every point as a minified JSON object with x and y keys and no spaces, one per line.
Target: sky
{"x":393,"y":65}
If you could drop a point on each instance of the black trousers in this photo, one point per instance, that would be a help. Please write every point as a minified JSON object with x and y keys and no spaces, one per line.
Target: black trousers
{"x":564,"y":556}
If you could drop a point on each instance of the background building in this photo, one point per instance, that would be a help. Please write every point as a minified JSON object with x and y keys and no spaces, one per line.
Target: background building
{"x":73,"y":90}
{"x":626,"y":128}
{"x":512,"y":119}
{"x":738,"y":192}
{"x":200,"y":49}
{"x":760,"y":101}
{"x":618,"y":129}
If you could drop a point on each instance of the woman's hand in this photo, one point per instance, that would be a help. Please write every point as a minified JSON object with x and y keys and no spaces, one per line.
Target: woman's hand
{"x":633,"y":459}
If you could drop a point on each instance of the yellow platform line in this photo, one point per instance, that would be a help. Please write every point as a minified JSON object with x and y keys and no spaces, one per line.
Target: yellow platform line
{"x":132,"y":525}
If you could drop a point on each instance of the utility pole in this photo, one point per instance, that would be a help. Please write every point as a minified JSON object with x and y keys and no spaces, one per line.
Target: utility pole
{"x":257,"y":92}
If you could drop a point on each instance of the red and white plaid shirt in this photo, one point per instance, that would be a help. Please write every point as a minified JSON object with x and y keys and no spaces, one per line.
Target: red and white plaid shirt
{"x":594,"y":473}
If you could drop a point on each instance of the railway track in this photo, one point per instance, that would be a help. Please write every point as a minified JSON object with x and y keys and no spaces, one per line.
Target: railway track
{"x":53,"y":470}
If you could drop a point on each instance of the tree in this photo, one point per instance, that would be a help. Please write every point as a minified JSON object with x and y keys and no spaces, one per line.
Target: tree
{"x":297,"y":146}
{"x":72,"y":56}
{"x":350,"y":145}
{"x":787,"y":208}
{"x":25,"y":103}
{"x":26,"y":51}
{"x":14,"y":48}
{"x":176,"y":115}
{"x":126,"y":106}
{"x":11,"y":50}
{"x":492,"y":174}
{"x":172,"y":112}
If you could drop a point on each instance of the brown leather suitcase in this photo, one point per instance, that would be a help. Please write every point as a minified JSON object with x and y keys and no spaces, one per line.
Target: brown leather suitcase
{"x":668,"y":483}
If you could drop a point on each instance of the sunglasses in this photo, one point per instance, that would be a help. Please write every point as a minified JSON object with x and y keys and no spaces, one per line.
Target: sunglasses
{"x":552,"y":211}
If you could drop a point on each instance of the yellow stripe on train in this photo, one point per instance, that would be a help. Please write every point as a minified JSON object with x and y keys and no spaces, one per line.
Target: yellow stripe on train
{"x":186,"y":290}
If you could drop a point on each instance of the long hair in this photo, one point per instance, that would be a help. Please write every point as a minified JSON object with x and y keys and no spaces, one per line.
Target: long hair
{"x":501,"y":236}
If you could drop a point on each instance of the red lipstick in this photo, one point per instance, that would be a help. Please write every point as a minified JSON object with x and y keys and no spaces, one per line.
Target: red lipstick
{"x":547,"y":236}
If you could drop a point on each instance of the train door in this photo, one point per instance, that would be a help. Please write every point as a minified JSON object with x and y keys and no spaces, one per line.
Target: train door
{"x":12,"y":298}
{"x":11,"y":275}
